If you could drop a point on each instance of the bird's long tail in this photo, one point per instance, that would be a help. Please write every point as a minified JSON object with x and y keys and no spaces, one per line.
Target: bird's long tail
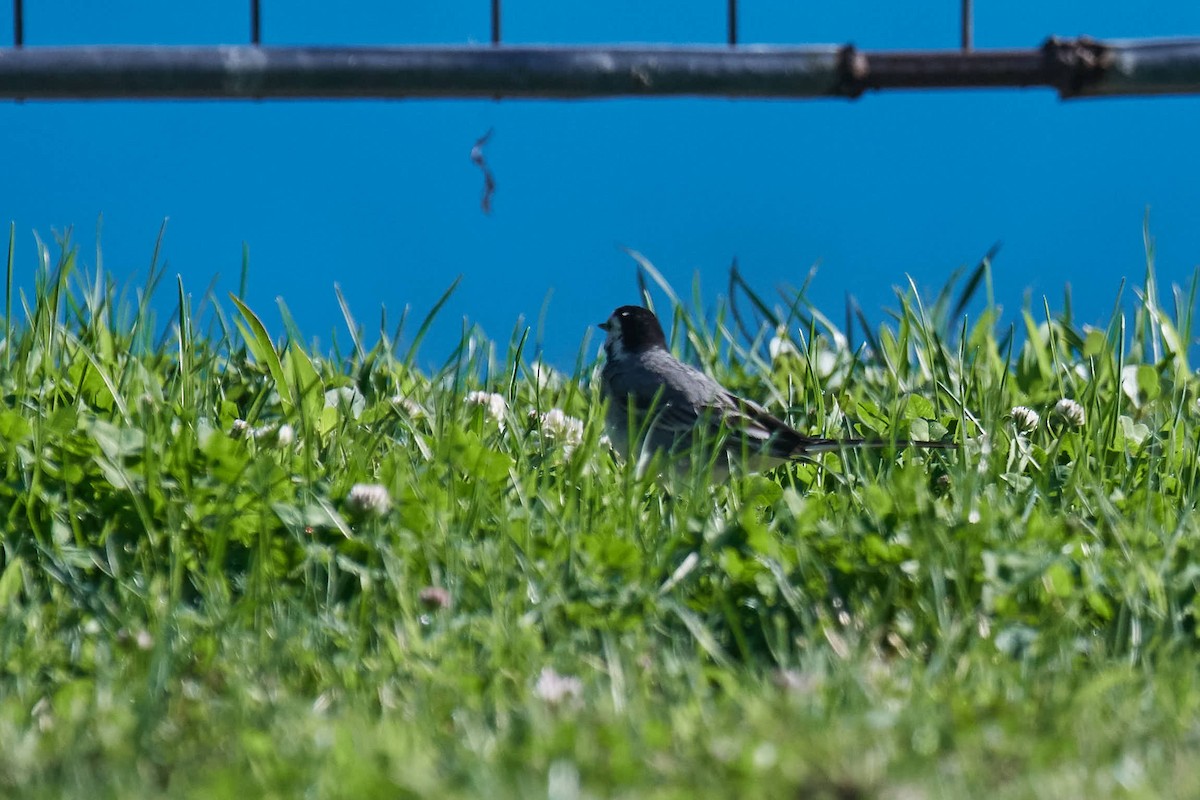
{"x":811,"y":445}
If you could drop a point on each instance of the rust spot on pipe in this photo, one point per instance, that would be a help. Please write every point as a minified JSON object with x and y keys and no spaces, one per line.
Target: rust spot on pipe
{"x":853,"y":71}
{"x":1072,"y":64}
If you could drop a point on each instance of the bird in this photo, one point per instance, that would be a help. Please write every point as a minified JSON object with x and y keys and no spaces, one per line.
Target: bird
{"x":669,"y":406}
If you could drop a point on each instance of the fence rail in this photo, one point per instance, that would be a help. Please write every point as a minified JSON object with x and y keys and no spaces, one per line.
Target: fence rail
{"x":1075,"y":68}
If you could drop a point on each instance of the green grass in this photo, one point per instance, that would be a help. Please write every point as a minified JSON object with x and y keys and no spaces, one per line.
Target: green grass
{"x":196,"y":602}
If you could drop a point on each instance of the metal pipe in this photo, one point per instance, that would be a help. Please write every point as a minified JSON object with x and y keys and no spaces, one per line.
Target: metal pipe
{"x":1144,"y":67}
{"x":243,"y":72}
{"x":954,"y":69}
{"x":1073,"y":67}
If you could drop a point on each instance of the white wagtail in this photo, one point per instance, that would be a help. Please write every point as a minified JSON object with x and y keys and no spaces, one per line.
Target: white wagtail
{"x":673,"y":407}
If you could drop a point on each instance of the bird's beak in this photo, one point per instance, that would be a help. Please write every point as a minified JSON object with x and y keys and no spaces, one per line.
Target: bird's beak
{"x":604,"y":326}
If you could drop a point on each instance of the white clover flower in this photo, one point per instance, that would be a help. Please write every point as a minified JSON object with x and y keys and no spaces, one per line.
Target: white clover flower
{"x":545,"y":376}
{"x":411,"y":407}
{"x":557,"y":689}
{"x":780,"y":345}
{"x":274,"y":434}
{"x":348,"y":399}
{"x":827,"y":362}
{"x":1025,"y":419}
{"x":239,"y":428}
{"x":435,"y":598}
{"x":493,"y":404}
{"x":566,"y":430}
{"x":369,"y":498}
{"x":285,"y":436}
{"x":1070,"y":412}
{"x":1129,"y":384}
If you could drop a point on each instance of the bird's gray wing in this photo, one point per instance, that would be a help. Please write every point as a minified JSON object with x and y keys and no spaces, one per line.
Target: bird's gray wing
{"x":670,"y":413}
{"x":700,"y":408}
{"x":680,"y":404}
{"x":657,"y":393}
{"x":743,"y":428}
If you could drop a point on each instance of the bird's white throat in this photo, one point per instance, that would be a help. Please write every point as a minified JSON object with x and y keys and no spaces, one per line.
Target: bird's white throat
{"x":614,"y":345}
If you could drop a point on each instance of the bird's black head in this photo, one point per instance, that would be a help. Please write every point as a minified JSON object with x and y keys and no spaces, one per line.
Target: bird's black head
{"x":632,"y":329}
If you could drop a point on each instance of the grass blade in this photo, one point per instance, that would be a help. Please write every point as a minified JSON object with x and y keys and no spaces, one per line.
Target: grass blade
{"x":263,"y":349}
{"x":428,"y":321}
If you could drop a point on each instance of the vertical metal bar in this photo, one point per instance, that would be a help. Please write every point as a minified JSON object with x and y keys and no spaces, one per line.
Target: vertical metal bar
{"x":255,"y":22}
{"x":18,"y":23}
{"x":732,"y":22}
{"x":495,"y":22}
{"x":849,"y":329}
{"x":968,"y":26}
